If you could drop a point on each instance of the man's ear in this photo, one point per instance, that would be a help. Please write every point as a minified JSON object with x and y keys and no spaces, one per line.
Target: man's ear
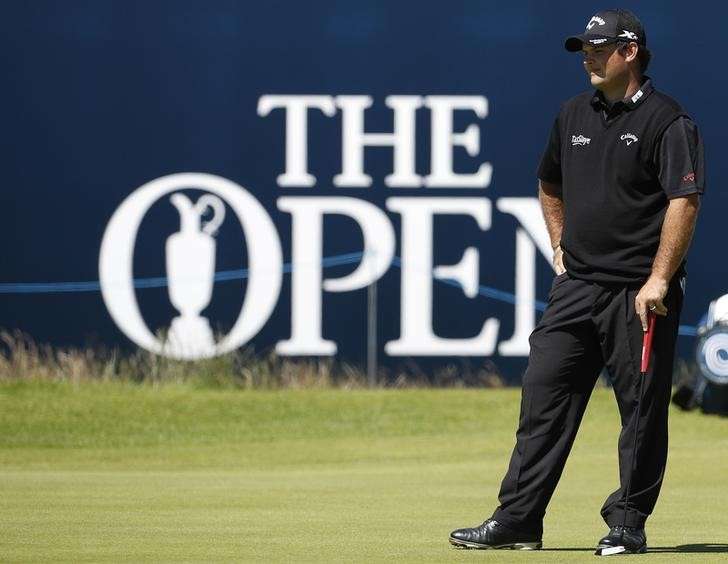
{"x":630,"y":51}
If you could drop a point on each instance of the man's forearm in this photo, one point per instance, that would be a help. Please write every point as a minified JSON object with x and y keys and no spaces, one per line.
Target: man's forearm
{"x":677,"y":232}
{"x":552,"y":207}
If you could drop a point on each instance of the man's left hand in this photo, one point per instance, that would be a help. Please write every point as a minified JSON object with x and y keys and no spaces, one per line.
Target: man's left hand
{"x":649,"y":299}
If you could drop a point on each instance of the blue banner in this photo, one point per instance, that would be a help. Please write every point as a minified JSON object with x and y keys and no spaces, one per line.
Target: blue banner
{"x":194,"y":177}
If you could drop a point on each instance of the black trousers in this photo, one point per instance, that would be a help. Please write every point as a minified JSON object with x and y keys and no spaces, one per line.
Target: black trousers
{"x":585,"y":327}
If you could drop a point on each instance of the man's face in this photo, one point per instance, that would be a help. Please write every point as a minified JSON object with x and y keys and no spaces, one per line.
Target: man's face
{"x":604,"y":64}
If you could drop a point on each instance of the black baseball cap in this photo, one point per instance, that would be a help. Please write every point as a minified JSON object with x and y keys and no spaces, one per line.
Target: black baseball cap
{"x":609,"y":26}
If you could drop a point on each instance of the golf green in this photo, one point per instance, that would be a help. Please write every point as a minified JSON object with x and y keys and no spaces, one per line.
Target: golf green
{"x":122,"y":472}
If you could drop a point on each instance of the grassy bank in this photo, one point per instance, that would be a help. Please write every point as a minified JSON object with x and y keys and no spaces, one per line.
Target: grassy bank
{"x":108,"y":471}
{"x":22,"y":358}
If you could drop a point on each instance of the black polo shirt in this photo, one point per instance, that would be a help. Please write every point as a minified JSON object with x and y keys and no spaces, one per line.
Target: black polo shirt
{"x":618,"y":165}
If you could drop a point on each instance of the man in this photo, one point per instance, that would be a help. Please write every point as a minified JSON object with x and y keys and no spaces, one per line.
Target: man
{"x":619,"y":186}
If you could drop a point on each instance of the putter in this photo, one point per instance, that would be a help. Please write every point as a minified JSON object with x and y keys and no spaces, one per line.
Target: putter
{"x":644,"y":368}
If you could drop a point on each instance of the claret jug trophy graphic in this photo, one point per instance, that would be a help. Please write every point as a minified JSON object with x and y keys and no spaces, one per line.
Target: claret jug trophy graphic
{"x":191,"y":275}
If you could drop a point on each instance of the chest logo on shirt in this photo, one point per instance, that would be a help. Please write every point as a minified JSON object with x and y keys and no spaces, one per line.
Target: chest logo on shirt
{"x":629,"y":138}
{"x":579,"y":140}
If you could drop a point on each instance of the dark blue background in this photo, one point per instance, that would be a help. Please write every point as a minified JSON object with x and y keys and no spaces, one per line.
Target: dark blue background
{"x":99,"y":97}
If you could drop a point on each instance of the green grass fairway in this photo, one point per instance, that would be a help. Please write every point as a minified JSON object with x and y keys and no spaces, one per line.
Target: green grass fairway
{"x":118,"y":472}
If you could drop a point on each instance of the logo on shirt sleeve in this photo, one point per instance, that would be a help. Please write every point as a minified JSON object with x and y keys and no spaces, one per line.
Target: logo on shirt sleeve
{"x":689,"y":178}
{"x":580,"y":140}
{"x":629,"y":138}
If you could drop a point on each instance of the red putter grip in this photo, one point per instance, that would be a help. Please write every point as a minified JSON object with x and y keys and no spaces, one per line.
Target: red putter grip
{"x":647,"y":342}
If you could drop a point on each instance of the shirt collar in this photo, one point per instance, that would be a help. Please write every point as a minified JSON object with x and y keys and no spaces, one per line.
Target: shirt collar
{"x":599,"y":102}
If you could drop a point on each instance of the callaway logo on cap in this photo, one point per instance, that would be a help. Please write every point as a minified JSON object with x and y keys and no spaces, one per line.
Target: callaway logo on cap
{"x":609,"y":26}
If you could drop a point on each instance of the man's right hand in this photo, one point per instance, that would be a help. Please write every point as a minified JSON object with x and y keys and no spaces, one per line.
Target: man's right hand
{"x":552,"y":206}
{"x":559,"y":261}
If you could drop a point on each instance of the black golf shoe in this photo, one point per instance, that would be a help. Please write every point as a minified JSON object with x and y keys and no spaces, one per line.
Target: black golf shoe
{"x":492,"y":534}
{"x":631,"y":539}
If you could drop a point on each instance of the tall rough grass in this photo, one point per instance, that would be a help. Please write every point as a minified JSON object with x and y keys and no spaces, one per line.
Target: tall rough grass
{"x":22,"y":358}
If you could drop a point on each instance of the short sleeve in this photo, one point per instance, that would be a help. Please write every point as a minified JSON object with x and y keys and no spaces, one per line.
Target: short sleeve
{"x":679,"y":159}
{"x":549,"y":170}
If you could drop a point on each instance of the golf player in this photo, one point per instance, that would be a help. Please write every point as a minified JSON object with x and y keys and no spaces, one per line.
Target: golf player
{"x":619,"y":186}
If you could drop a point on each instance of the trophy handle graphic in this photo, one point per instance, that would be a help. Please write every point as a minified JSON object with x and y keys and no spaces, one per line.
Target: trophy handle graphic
{"x":218,"y":212}
{"x":190,"y":274}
